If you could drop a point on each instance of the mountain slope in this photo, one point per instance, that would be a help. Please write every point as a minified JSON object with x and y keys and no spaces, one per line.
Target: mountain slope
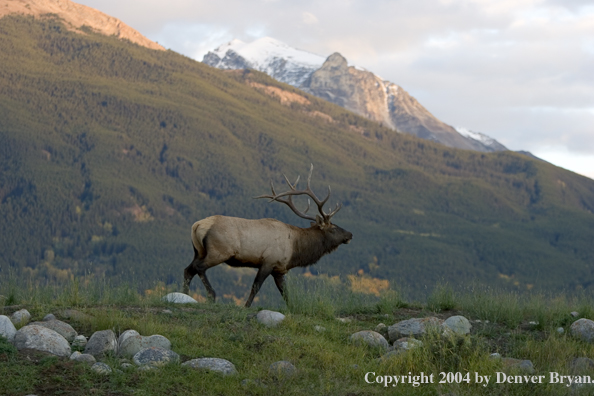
{"x":351,"y":87}
{"x":110,"y":151}
{"x":76,"y":16}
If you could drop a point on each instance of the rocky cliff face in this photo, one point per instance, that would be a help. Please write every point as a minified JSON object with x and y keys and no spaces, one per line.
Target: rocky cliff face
{"x":383,"y":101}
{"x":75,"y":16}
{"x":356,"y":89}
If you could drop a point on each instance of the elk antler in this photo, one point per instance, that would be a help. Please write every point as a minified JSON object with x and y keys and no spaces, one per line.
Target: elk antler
{"x":308,"y":191}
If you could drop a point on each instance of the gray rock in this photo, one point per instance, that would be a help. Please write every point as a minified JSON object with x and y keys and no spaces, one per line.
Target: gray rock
{"x":575,"y":314}
{"x":167,"y":311}
{"x":382,"y":329}
{"x":344,"y":320}
{"x":155,"y":356}
{"x":102,"y":343}
{"x":40,"y":338}
{"x":560,"y":330}
{"x":62,"y":328}
{"x":282,"y":369}
{"x":179,"y":298}
{"x":83,"y":357}
{"x":130,"y":343}
{"x":213,"y":364}
{"x":7,"y":329}
{"x":148,"y":367}
{"x":49,"y":317}
{"x":415,"y":327}
{"x":583,"y":329}
{"x":495,"y":355}
{"x":127,"y":366}
{"x":79,"y":341}
{"x":407,"y":343}
{"x":101,"y":368}
{"x":21,"y":317}
{"x":270,"y":318}
{"x":370,"y":338}
{"x":319,"y":328}
{"x":518,"y":364}
{"x":458,"y":324}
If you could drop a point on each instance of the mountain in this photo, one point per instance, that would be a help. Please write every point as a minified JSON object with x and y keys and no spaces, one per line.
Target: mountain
{"x":110,"y":151}
{"x":351,"y":87}
{"x":77,"y":17}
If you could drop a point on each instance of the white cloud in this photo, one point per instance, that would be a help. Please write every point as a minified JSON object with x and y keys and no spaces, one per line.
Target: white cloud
{"x":518,"y":70}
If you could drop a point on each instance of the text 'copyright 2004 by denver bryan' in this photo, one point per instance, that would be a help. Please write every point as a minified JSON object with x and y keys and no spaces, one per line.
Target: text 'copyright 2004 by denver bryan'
{"x":419,"y":379}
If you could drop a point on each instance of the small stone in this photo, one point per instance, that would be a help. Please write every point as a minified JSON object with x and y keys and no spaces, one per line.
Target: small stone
{"x":575,"y":314}
{"x":167,"y":311}
{"x":102,"y":343}
{"x":130,"y":343}
{"x":155,"y":356}
{"x":458,"y":324}
{"x":21,"y":317}
{"x":583,"y":329}
{"x":62,"y":328}
{"x":127,"y":366}
{"x":415,"y":327}
{"x":222,"y":366}
{"x":319,"y":328}
{"x":533,"y":323}
{"x":282,"y":369}
{"x":83,"y":357}
{"x":49,"y":317}
{"x":560,"y":330}
{"x":407,"y":343}
{"x":381,"y":328}
{"x":179,"y":298}
{"x":370,"y":338}
{"x":270,"y":318}
{"x":40,"y":338}
{"x":7,"y":329}
{"x":101,"y":368}
{"x":79,"y":341}
{"x":495,"y":355}
{"x":344,"y":320}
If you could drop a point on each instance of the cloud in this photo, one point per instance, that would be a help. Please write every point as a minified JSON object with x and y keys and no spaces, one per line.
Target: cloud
{"x":518,"y":70}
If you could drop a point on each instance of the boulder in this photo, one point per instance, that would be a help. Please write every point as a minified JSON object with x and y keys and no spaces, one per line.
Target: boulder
{"x":179,"y":298}
{"x":270,"y":318}
{"x":155,"y":356}
{"x":583,"y":329}
{"x":415,"y":327}
{"x":79,"y":341}
{"x":59,"y":327}
{"x":102,"y":343}
{"x":370,"y":338}
{"x":7,"y":329}
{"x":41,"y":338}
{"x":282,"y":369}
{"x":407,"y":343}
{"x":21,"y":317}
{"x":222,"y":366}
{"x":130,"y":343}
{"x":101,"y":368}
{"x":83,"y":357}
{"x":458,"y":324}
{"x":525,"y":366}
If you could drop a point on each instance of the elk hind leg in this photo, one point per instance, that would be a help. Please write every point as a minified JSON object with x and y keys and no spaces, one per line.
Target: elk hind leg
{"x":190,"y":272}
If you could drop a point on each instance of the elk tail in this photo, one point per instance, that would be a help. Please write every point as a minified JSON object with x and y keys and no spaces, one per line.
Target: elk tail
{"x":199,"y":230}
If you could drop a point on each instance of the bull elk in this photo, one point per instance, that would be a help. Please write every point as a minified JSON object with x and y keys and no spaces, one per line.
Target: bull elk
{"x":269,"y":245}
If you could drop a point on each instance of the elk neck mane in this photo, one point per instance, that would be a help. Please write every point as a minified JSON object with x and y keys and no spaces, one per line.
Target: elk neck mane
{"x":310,"y":246}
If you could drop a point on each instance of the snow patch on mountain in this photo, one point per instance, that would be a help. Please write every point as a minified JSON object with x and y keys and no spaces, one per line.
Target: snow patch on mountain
{"x":268,"y":55}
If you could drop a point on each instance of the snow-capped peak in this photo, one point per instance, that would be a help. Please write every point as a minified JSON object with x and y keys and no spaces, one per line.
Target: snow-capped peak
{"x":481,"y":137}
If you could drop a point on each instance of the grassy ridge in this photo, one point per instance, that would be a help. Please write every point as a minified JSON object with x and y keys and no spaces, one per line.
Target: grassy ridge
{"x":325,"y":360}
{"x":111,"y":151}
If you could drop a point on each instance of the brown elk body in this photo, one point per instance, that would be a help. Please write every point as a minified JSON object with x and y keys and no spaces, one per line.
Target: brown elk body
{"x":269,"y":245}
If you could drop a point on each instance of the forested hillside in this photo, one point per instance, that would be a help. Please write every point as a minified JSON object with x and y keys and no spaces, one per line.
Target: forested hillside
{"x":109,"y":152}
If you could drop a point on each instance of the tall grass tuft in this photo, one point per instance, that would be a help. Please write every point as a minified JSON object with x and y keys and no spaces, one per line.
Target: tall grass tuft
{"x":442,"y":298}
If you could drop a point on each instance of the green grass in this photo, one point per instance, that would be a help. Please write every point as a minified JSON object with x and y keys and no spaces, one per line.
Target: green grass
{"x":327,"y":363}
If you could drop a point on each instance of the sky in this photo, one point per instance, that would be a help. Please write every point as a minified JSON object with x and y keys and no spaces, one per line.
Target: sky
{"x":520,"y":71}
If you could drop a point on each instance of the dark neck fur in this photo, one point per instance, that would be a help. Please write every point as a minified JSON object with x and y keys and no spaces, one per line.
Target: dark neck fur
{"x":309,"y":246}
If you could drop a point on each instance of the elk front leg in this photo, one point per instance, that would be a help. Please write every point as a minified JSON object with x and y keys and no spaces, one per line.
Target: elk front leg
{"x":279,"y":280}
{"x":260,"y":278}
